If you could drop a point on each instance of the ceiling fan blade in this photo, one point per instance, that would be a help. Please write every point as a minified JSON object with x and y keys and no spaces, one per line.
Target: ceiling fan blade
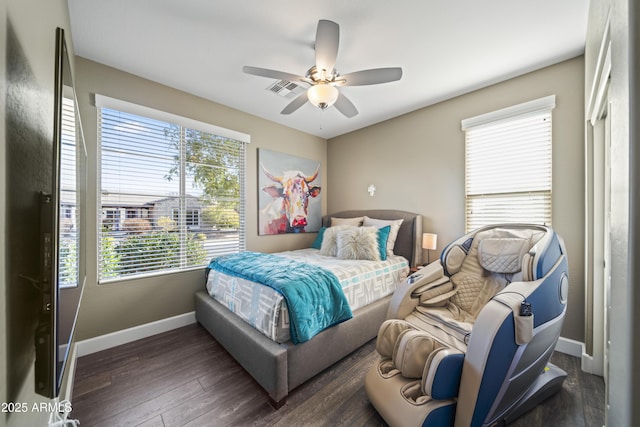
{"x":274,"y":74}
{"x":327,"y":41}
{"x":345,"y":106}
{"x":372,"y":77}
{"x":298,"y":102}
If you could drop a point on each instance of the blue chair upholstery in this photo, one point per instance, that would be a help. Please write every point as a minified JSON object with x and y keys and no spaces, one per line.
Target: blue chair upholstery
{"x":468,"y":338}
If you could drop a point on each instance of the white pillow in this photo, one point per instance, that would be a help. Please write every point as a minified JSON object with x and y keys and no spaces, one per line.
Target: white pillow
{"x":393,"y":234}
{"x":329,"y":246}
{"x":357,"y":221}
{"x":358,"y":243}
{"x":502,"y":255}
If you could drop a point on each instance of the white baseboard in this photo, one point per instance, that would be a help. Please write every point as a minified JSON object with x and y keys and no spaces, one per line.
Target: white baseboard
{"x":592,"y":365}
{"x":103,"y":342}
{"x":570,"y":347}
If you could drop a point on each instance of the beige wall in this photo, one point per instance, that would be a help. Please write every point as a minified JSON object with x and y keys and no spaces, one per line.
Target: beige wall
{"x":416,"y":162}
{"x":116,"y":306}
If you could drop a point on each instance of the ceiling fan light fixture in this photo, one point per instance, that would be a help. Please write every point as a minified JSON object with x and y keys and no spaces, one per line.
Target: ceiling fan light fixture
{"x":322,"y":95}
{"x":323,"y":76}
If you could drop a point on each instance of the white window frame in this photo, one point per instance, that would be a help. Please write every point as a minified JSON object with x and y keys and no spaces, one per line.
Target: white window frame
{"x":190,"y":214}
{"x":496,"y":192}
{"x":130,"y":108}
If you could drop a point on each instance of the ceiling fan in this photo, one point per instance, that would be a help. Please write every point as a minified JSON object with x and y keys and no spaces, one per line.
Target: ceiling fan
{"x":323,"y":78}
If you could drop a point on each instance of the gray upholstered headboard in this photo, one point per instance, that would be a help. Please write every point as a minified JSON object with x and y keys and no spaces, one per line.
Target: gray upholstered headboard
{"x":409,"y":241}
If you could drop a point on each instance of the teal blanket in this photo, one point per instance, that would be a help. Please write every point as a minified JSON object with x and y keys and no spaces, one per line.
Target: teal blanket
{"x":313,"y":294}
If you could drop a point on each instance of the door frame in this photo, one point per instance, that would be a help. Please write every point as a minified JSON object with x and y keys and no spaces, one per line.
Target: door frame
{"x":597,"y":197}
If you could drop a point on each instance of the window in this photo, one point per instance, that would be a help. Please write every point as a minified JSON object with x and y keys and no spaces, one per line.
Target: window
{"x":69,"y":212}
{"x":171,"y":191}
{"x":192,"y":217}
{"x":508,"y":165}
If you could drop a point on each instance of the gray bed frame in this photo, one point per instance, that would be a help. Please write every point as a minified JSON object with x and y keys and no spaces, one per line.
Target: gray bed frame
{"x":279,"y":368}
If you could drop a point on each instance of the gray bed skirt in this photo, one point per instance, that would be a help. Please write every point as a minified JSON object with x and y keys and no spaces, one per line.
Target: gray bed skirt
{"x":279,"y":368}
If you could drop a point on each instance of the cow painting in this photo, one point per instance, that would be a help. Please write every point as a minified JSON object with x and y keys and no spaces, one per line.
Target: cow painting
{"x":288,"y":211}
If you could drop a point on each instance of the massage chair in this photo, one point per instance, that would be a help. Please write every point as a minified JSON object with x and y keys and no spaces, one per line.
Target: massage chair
{"x":468,"y":338}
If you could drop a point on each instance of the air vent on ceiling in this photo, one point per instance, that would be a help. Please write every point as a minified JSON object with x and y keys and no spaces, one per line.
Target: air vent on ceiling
{"x":286,"y":89}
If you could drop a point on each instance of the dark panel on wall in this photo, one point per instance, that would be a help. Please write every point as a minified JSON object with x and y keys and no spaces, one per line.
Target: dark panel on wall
{"x":29,"y":127}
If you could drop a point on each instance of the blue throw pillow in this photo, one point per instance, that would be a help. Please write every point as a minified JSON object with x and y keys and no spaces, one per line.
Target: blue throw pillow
{"x":383,"y":235}
{"x":318,"y":242}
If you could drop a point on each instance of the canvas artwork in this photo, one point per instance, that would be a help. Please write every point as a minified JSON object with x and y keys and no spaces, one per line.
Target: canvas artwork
{"x":288,"y":194}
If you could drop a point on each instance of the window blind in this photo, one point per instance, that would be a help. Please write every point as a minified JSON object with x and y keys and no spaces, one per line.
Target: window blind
{"x":508,"y":169}
{"x":171,"y":196}
{"x":69,"y":215}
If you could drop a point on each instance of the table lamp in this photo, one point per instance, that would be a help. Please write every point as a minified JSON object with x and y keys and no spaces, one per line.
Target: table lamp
{"x":429,"y":242}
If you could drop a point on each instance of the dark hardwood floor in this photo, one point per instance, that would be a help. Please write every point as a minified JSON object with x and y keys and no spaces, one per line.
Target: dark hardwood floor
{"x":185,"y":378}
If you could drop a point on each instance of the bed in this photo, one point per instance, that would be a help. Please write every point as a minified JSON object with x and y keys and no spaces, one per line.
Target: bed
{"x":279,"y":367}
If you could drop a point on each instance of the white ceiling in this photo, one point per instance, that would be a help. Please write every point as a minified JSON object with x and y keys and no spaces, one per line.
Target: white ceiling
{"x":446,"y":48}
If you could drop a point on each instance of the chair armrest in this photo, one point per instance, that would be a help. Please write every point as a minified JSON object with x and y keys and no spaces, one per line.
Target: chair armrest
{"x":442,"y":374}
{"x":403,"y":302}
